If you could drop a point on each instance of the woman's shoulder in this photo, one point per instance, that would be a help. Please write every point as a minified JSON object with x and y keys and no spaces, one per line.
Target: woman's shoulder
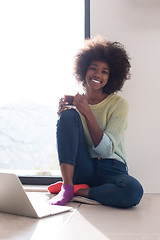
{"x":117,"y":104}
{"x":110,"y":102}
{"x":116,"y":99}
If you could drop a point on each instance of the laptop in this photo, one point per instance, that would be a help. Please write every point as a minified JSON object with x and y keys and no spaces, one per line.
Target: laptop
{"x":14,"y":200}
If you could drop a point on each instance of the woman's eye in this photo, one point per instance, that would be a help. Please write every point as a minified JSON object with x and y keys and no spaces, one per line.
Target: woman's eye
{"x":105,"y":72}
{"x":92,"y":68}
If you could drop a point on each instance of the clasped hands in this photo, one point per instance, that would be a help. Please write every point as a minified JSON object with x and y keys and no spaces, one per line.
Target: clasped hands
{"x":80,"y":102}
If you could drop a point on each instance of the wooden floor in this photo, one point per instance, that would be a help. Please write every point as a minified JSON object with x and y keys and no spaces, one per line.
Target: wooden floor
{"x":88,"y":222}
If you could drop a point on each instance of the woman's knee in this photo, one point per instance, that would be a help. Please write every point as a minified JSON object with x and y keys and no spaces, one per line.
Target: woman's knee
{"x":68,"y":115}
{"x":134,"y":193}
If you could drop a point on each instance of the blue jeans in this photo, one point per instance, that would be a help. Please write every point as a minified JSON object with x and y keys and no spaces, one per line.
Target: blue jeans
{"x":109,"y":181}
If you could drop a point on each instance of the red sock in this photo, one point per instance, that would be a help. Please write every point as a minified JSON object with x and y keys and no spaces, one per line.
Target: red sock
{"x":79,"y":186}
{"x":56,"y":187}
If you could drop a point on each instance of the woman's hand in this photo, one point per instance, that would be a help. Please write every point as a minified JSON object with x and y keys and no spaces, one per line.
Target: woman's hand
{"x":62,"y":106}
{"x":81,"y":103}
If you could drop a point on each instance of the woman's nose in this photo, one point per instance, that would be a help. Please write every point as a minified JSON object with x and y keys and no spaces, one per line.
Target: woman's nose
{"x":97,"y":74}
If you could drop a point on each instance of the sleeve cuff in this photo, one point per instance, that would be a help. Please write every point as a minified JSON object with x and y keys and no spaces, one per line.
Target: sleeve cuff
{"x":104,"y":148}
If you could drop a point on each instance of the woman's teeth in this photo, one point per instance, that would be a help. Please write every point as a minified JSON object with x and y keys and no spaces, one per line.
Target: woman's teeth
{"x":96,"y":81}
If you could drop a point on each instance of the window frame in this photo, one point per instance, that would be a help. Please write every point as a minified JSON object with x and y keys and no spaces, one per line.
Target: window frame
{"x":47,"y":180}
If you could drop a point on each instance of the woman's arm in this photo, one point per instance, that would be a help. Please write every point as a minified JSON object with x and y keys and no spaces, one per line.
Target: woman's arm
{"x":108,"y":141}
{"x":82,"y":106}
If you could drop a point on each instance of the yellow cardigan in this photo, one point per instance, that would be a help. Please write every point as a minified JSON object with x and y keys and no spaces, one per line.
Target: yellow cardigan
{"x":111,"y":115}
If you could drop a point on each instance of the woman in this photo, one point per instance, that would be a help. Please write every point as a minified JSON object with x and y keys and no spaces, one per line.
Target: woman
{"x":90,"y":138}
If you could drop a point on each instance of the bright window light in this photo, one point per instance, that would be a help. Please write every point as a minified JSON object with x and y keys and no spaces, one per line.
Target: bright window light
{"x":38,"y":43}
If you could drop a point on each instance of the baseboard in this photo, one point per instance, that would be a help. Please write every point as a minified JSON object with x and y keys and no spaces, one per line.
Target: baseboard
{"x":151,"y":188}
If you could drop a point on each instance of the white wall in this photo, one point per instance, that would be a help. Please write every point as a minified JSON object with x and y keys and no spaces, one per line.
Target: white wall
{"x":136,"y":24}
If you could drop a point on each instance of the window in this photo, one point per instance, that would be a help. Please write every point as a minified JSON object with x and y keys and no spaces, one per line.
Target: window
{"x":37,"y":45}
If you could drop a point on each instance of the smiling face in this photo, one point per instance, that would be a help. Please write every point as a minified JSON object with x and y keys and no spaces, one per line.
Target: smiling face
{"x":97,"y":75}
